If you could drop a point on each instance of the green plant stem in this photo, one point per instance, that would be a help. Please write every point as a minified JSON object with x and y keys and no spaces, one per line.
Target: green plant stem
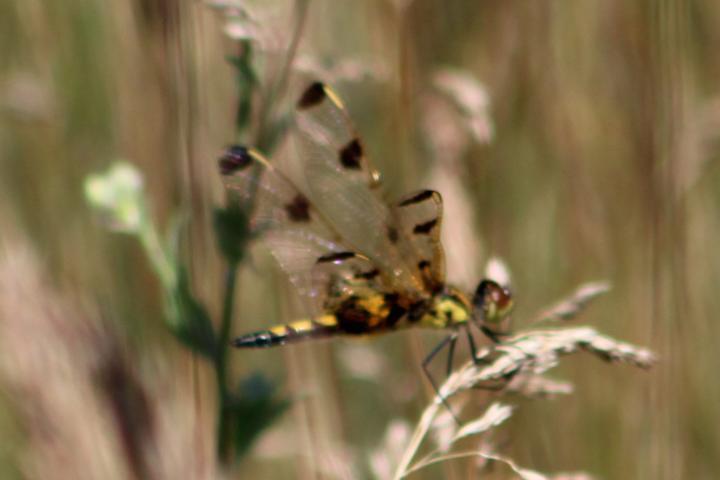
{"x":224,"y":440}
{"x":156,"y":252}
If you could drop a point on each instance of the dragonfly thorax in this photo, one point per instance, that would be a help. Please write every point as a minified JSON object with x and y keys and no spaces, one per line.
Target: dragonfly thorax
{"x":447,"y":309}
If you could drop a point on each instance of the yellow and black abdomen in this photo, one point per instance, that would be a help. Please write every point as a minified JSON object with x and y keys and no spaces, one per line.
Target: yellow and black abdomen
{"x":354,"y":315}
{"x":320,"y":327}
{"x":365,"y":315}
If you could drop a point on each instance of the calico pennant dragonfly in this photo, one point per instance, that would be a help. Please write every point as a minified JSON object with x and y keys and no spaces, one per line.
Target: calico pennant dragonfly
{"x":366,"y":266}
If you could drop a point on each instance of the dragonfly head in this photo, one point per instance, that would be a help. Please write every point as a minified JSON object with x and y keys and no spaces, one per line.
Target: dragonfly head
{"x":492,"y":304}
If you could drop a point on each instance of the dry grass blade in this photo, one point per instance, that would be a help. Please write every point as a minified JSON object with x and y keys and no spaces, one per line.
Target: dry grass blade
{"x":471,"y":100}
{"x":496,"y":414}
{"x":86,"y":409}
{"x":571,"y":306}
{"x":388,"y":452}
{"x":527,"y":474}
{"x":538,"y":351}
{"x":533,"y":352}
{"x":488,"y":458}
{"x":535,"y":386}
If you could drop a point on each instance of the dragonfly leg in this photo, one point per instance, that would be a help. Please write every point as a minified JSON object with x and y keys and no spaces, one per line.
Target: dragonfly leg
{"x":450,"y":339}
{"x":473,"y":347}
{"x":451,"y":354}
{"x":495,"y":337}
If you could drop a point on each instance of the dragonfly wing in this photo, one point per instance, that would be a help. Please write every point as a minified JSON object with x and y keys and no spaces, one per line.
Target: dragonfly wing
{"x":418,"y":217}
{"x":344,"y":184}
{"x":336,"y":235}
{"x":299,"y":238}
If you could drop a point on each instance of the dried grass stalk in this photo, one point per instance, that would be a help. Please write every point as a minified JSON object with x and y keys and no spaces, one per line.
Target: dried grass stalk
{"x":531,"y":354}
{"x":86,"y":409}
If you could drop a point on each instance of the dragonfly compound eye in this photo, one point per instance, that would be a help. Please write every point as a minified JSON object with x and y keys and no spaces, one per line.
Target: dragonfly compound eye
{"x":492,"y":303}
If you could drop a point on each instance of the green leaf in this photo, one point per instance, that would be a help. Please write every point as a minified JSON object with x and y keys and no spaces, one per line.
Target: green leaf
{"x":190,"y":321}
{"x":232,"y":230}
{"x":253,"y":409}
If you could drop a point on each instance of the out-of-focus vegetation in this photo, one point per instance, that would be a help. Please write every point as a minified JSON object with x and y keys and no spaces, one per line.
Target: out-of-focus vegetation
{"x":588,"y":153}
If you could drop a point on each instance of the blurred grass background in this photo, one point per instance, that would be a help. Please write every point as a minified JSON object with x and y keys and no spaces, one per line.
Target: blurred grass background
{"x":602,"y":166}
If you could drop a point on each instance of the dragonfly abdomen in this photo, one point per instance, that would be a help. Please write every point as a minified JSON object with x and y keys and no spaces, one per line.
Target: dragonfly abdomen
{"x":324,"y":326}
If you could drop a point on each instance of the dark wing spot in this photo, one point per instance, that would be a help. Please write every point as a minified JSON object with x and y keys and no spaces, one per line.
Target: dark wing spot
{"x":335,"y":257}
{"x":423,"y":264}
{"x":312,"y":96}
{"x":368,"y":275}
{"x":425,"y":228}
{"x":299,"y":209}
{"x":235,"y":158}
{"x":417,"y":198}
{"x":392,"y":234}
{"x":351,"y":154}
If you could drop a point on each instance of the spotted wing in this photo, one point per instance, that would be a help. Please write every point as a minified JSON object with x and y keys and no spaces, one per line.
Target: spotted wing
{"x":330,"y":137}
{"x":418,"y":218}
{"x":343,"y":184}
{"x":303,"y":243}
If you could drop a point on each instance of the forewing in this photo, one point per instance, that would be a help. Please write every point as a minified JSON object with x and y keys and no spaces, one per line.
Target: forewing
{"x":340,"y":237}
{"x":343,"y":183}
{"x":331,"y":138}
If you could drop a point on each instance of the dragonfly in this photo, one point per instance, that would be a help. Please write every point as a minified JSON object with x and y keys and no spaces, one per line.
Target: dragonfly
{"x":365,"y":266}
